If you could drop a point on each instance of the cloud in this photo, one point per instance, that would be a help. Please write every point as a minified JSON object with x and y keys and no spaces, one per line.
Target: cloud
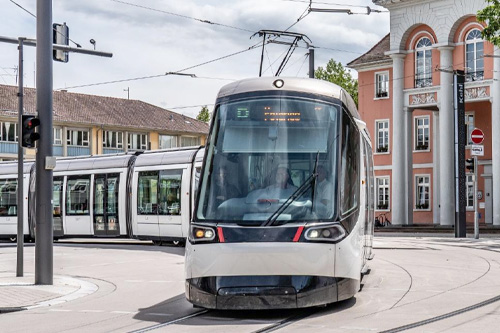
{"x":147,"y":42}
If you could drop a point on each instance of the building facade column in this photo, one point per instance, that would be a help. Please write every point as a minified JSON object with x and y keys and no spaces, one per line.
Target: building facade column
{"x":399,"y":193}
{"x":435,"y":169}
{"x":495,"y":137}
{"x":408,"y":159}
{"x":446,"y":140}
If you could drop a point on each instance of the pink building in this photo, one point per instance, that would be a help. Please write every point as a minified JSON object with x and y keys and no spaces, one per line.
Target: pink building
{"x":406,"y":99}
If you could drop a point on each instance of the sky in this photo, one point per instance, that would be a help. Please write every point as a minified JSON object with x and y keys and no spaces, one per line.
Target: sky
{"x":154,"y":37}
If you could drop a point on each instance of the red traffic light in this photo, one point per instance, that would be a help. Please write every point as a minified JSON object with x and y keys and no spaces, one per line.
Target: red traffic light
{"x":32,"y":123}
{"x":29,"y":136}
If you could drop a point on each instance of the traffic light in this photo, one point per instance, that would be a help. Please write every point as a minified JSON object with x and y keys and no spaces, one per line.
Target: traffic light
{"x":469,"y":164}
{"x":28,"y":135}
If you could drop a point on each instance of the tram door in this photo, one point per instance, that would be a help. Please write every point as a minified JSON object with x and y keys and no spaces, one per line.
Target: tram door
{"x":57,"y":199}
{"x":106,"y":205}
{"x":169,"y":203}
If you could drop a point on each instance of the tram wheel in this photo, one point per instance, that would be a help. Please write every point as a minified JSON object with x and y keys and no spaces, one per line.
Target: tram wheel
{"x":157,"y":242}
{"x":13,"y":239}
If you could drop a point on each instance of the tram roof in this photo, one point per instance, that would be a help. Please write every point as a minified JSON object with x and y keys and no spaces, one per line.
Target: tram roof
{"x":169,"y":157}
{"x":154,"y":157}
{"x":93,"y":162}
{"x":10,"y":168}
{"x":304,"y":85}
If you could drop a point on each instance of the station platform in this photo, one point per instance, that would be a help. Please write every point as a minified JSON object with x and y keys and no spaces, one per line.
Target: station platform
{"x":21,"y":293}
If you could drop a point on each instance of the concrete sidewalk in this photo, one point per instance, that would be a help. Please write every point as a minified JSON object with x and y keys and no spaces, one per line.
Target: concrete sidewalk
{"x":21,"y":293}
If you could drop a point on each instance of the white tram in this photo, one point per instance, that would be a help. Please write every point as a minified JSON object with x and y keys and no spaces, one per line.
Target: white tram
{"x":284,"y":212}
{"x":143,"y":195}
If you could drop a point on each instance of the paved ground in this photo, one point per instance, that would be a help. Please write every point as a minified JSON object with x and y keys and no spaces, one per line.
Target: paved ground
{"x":416,"y":284}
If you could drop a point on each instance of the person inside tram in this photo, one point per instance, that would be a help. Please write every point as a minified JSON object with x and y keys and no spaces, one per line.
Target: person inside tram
{"x":223,"y":189}
{"x":283,"y":187}
{"x":323,"y":194}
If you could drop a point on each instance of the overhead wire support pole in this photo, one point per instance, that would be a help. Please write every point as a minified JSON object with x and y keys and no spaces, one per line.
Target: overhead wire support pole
{"x":20,"y":165}
{"x":311,"y":62}
{"x":45,"y":161}
{"x":44,"y":234}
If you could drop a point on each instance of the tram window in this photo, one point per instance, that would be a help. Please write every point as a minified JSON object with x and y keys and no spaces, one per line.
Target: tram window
{"x":197,"y":174}
{"x":57,"y":196}
{"x":147,"y":193}
{"x":77,"y":195}
{"x":170,"y":192}
{"x":349,"y":173}
{"x":112,"y":204}
{"x":8,"y":197}
{"x":100,"y":191}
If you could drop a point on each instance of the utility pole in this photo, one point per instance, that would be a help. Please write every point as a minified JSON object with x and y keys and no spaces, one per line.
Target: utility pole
{"x":311,"y":62}
{"x":20,"y":165}
{"x":45,"y":162}
{"x":44,"y":222}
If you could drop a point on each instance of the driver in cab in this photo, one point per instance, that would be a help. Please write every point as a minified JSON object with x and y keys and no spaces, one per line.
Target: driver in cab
{"x":283,"y":187}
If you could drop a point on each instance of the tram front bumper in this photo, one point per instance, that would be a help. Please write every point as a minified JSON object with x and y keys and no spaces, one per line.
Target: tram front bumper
{"x":266,"y":292}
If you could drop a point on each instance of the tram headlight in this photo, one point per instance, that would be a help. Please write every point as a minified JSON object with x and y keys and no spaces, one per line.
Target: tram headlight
{"x":327,"y":233}
{"x":202,"y":234}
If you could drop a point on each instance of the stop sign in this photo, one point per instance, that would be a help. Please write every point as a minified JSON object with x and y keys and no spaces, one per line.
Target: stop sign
{"x":477,"y":136}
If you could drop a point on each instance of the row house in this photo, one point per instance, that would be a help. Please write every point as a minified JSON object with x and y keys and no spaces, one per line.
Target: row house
{"x":406,"y":98}
{"x":93,"y":125}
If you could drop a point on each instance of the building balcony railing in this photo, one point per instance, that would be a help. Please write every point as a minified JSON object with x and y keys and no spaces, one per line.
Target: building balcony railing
{"x":112,"y":150}
{"x":422,"y":146}
{"x":382,"y":149}
{"x":8,"y":147}
{"x":474,"y":76}
{"x":78,"y":151}
{"x":382,"y":94}
{"x":423,"y":82}
{"x":58,"y":150}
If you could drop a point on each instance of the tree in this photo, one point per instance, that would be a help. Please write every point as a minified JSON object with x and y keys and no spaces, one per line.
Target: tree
{"x":491,"y":16}
{"x":336,"y":73}
{"x":204,"y":114}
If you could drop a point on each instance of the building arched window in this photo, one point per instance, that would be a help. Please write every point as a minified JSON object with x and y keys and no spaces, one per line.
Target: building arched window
{"x":423,"y":63}
{"x":474,"y":50}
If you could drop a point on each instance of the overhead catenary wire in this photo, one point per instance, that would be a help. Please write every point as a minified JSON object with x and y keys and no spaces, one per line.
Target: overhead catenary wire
{"x":336,"y":4}
{"x":27,"y":11}
{"x":161,"y":75}
{"x":181,"y":15}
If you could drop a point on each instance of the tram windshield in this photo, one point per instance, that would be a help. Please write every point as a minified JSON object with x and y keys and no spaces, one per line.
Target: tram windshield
{"x":271,"y":161}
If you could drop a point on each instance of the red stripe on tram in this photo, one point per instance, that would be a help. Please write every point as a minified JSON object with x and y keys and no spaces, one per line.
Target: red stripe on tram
{"x":297,"y":234}
{"x":220,"y":234}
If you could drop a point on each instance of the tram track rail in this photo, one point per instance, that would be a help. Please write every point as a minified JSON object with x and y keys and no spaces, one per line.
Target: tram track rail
{"x":170,"y":322}
{"x":450,"y":314}
{"x":288,"y":321}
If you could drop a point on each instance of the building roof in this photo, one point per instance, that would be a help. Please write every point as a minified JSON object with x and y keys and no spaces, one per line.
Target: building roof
{"x":91,"y":110}
{"x":375,"y":55}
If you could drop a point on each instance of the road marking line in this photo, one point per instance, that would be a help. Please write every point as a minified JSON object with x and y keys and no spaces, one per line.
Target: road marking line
{"x":93,"y":311}
{"x":60,"y":310}
{"x":125,"y":312}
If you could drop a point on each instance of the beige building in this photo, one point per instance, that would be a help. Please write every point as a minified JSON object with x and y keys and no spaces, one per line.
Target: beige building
{"x":94,"y":125}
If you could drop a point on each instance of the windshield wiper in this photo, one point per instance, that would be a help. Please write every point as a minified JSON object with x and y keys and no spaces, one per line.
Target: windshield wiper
{"x":303,"y":188}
